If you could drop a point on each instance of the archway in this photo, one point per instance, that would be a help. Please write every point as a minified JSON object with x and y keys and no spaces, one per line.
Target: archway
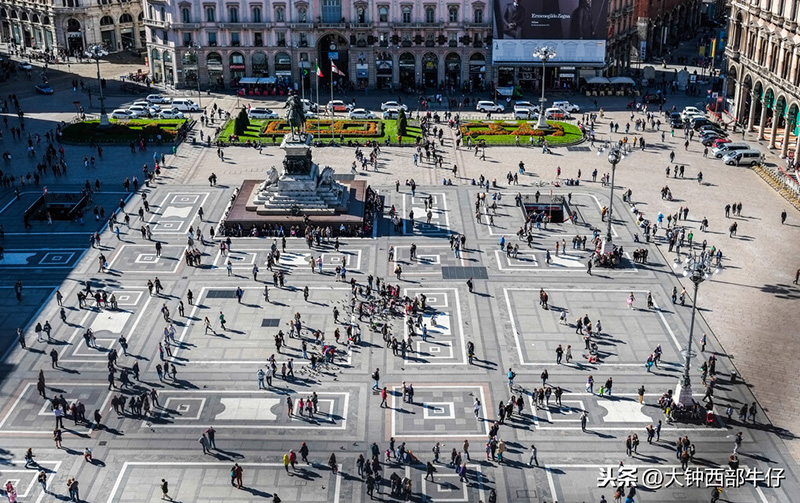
{"x":791,"y":121}
{"x":236,"y":66}
{"x":477,"y":70}
{"x":215,"y":69}
{"x":74,"y":36}
{"x":430,"y":70}
{"x":333,"y":48}
{"x":283,"y":68}
{"x":158,"y":71}
{"x":758,"y":93}
{"x":126,"y":35}
{"x":408,"y":74}
{"x":108,"y":33}
{"x":169,"y":68}
{"x":259,"y":64}
{"x":452,"y":65}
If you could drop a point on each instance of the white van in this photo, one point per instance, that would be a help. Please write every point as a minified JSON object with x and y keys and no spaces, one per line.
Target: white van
{"x":567,"y":106}
{"x":185,"y":105}
{"x":743,"y":157}
{"x":689,"y":111}
{"x":556,"y":114}
{"x":727,"y":148}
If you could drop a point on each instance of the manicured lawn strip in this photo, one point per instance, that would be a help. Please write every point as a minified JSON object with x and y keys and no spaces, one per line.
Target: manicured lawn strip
{"x":122,"y":131}
{"x":571,"y":133}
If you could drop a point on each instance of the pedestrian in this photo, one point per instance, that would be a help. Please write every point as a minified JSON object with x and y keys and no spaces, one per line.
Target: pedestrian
{"x":533,"y":459}
{"x":165,"y":490}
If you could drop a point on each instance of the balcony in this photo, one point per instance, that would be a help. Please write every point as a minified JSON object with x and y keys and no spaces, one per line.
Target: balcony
{"x":186,"y":26}
{"x":476,"y":25}
{"x":301,"y":26}
{"x":732,"y":54}
{"x":331,"y":26}
{"x":360,"y":26}
{"x":255,"y":26}
{"x":153,"y":23}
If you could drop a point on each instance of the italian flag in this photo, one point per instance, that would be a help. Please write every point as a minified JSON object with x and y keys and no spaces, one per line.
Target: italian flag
{"x":319,"y":71}
{"x":334,"y":69}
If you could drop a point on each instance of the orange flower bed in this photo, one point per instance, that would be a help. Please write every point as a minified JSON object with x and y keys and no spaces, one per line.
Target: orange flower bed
{"x":340,"y":128}
{"x":476,"y":129}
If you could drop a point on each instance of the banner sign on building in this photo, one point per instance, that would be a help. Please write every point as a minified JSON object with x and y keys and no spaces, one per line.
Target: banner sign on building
{"x":576,"y":29}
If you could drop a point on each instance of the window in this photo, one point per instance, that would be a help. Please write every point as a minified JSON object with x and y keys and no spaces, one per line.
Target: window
{"x":406,"y":14}
{"x":430,"y":15}
{"x":302,"y":15}
{"x":236,"y":39}
{"x":233,"y":14}
{"x":361,"y":15}
{"x":258,"y":39}
{"x":383,"y":14}
{"x":126,"y":18}
{"x":212,"y":39}
{"x":186,"y":15}
{"x":163,"y":14}
{"x":280,"y":14}
{"x":211,"y":15}
{"x":152,"y":12}
{"x":281,"y":39}
{"x":478,"y":16}
{"x":332,"y":11}
{"x":187,"y":39}
{"x":304,"y":40}
{"x":452,"y":14}
{"x":165,"y":36}
{"x":106,"y":21}
{"x":256,"y":14}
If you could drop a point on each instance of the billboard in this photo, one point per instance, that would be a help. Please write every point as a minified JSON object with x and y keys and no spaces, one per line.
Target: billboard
{"x":577,"y":29}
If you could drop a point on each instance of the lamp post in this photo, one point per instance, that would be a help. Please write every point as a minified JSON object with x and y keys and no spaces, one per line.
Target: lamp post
{"x":96,"y":52}
{"x":544,"y":53}
{"x":197,"y":48}
{"x":697,"y":269}
{"x":615,"y":155}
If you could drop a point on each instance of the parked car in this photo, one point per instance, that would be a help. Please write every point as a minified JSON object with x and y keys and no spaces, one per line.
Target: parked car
{"x":522,"y":114}
{"x":121,"y":114}
{"x":338,"y":106}
{"x":747,"y":157}
{"x":261,"y":113}
{"x":24,"y":65}
{"x":556,"y":114}
{"x":310,"y":115}
{"x":567,"y":106}
{"x":393,"y":104}
{"x":310,"y":106}
{"x":158,"y":99}
{"x":525,"y":109}
{"x":691,"y":111}
{"x":727,"y":148}
{"x":716,"y":142}
{"x":489,"y":106}
{"x":713,"y":141}
{"x":185,"y":105}
{"x":714,"y":128}
{"x":391,"y":113}
{"x":361,"y":113}
{"x":44,"y":89}
{"x":170,"y":113}
{"x":139,"y":110}
{"x":696,"y":123}
{"x":658,"y":99}
{"x":150,"y":107}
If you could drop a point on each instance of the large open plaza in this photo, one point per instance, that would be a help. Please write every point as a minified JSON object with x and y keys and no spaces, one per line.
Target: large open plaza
{"x":186,"y":344}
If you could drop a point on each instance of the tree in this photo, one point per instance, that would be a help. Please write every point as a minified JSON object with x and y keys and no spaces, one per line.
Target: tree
{"x":402,"y":122}
{"x":241,"y":122}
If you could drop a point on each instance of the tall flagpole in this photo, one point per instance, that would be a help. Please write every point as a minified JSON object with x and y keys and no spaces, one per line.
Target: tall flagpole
{"x":333,"y":109}
{"x":302,"y":84}
{"x":316,"y":70}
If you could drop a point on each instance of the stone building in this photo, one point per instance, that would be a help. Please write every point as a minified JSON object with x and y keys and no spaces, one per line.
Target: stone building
{"x":763,"y":70}
{"x":73,"y":25}
{"x":663,"y":23}
{"x":375,"y":43}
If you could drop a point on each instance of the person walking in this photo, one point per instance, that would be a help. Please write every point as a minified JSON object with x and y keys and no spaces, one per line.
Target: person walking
{"x":165,"y":490}
{"x":533,"y":459}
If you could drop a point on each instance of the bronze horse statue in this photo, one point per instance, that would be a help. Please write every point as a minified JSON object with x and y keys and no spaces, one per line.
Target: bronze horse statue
{"x":295,"y":115}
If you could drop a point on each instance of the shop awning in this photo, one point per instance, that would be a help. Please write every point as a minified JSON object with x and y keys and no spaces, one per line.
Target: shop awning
{"x":598,"y":80}
{"x":267,"y":80}
{"x":622,"y":80}
{"x":248,"y":80}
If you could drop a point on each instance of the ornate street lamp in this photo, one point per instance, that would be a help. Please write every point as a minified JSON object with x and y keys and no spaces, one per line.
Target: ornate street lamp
{"x":697,"y":268}
{"x":196,"y":48}
{"x":545,"y":53}
{"x":615,"y":155}
{"x":96,"y":52}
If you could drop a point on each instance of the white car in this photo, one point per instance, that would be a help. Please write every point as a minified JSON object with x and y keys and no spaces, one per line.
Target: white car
{"x":567,"y":106}
{"x":391,"y":113}
{"x":338,"y":106}
{"x":123,"y":114}
{"x":25,"y":66}
{"x":689,"y":112}
{"x":310,"y":106}
{"x":310,"y":115}
{"x":170,"y":113}
{"x":389,"y":105}
{"x":361,"y":113}
{"x":139,"y":110}
{"x":157,"y":98}
{"x":523,"y":114}
{"x":262,"y":113}
{"x":489,"y":106}
{"x":152,"y":108}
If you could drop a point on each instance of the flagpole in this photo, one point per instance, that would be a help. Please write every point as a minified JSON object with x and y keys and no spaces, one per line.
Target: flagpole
{"x":302,"y":84}
{"x":333,"y":109}
{"x":316,"y":70}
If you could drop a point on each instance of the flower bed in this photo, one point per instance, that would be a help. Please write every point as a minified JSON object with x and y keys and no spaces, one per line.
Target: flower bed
{"x":346,"y":128}
{"x":505,"y":132}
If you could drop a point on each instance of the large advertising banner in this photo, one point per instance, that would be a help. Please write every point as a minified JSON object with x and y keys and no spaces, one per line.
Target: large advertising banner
{"x":576,"y":29}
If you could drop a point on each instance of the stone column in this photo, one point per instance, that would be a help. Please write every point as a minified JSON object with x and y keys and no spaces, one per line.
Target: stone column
{"x":785,"y":143}
{"x":752,"y":116}
{"x":776,"y":118}
{"x":763,"y":122}
{"x":737,"y":95}
{"x":797,"y":148}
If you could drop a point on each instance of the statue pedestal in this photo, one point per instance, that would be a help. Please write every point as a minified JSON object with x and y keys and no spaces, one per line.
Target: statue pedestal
{"x":300,"y":185}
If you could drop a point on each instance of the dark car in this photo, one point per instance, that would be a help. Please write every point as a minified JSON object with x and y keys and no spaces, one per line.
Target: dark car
{"x":698,"y":123}
{"x":712,"y":128}
{"x":44,"y":89}
{"x":654,"y":98}
{"x":676,"y":124}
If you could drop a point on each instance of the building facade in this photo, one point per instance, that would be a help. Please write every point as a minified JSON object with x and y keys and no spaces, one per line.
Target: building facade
{"x":662,"y":24}
{"x":763,"y":71}
{"x":73,"y":25}
{"x":375,"y":43}
{"x":622,"y":37}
